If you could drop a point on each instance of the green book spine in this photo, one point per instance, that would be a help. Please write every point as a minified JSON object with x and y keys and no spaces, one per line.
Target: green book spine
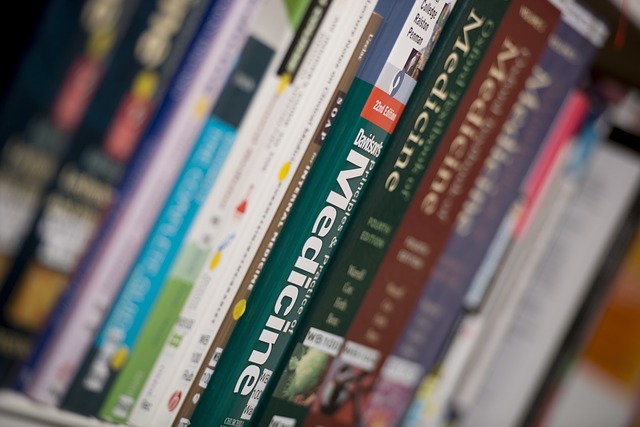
{"x":318,"y":219}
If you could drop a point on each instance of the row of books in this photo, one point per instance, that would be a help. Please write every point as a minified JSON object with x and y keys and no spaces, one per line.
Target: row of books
{"x":178,"y":183}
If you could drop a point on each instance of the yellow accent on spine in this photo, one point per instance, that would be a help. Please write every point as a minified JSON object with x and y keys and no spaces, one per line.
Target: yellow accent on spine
{"x":119,"y":358}
{"x":145,"y":85}
{"x":215,"y":260}
{"x":100,"y":43}
{"x":284,"y":82}
{"x":284,"y":171}
{"x":202,"y":107}
{"x":239,"y":309}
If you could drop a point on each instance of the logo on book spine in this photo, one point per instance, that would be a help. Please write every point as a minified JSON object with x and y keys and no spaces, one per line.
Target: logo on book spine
{"x":368,"y":143}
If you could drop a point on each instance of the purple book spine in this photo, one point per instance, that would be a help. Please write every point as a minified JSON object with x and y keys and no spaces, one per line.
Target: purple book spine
{"x":567,"y":56}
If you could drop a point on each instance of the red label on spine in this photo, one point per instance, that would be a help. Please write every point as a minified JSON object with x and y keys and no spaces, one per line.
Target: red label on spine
{"x":382,"y":110}
{"x":76,"y":93}
{"x":127,"y":127}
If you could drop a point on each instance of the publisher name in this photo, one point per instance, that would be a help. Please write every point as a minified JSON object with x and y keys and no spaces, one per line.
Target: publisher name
{"x":368,"y":143}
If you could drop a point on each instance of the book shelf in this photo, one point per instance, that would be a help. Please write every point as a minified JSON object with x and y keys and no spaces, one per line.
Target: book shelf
{"x":620,"y":62}
{"x":18,"y":411}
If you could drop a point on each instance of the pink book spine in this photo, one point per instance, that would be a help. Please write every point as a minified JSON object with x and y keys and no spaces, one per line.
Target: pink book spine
{"x":566,"y":126}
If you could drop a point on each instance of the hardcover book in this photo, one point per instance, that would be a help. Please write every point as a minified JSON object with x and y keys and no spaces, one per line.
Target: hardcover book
{"x":430,"y":219}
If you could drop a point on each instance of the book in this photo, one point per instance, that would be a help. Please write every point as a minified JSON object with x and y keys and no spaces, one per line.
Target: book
{"x":501,"y":301}
{"x":87,"y":181}
{"x":295,"y":185}
{"x":427,"y":224}
{"x":56,"y":80}
{"x":119,"y":332}
{"x":605,"y":192}
{"x":60,"y":347}
{"x":171,"y":343}
{"x":495,"y":301}
{"x":430,"y":405}
{"x":457,"y":53}
{"x":330,"y":195}
{"x":229,"y":271}
{"x":494,"y":192}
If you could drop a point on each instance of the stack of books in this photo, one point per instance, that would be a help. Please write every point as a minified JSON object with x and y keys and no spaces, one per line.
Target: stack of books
{"x":319,"y":213}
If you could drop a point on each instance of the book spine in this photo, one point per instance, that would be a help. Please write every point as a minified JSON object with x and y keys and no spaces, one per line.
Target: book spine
{"x":187,"y":255}
{"x":566,"y":58}
{"x":430,"y":219}
{"x":61,"y":346}
{"x":119,"y":331}
{"x":317,"y":221}
{"x":515,"y":225}
{"x":275,"y":227}
{"x":337,"y":54}
{"x":458,"y":52}
{"x":501,"y":303}
{"x":87,"y":182}
{"x":46,"y":102}
{"x":199,"y":316}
